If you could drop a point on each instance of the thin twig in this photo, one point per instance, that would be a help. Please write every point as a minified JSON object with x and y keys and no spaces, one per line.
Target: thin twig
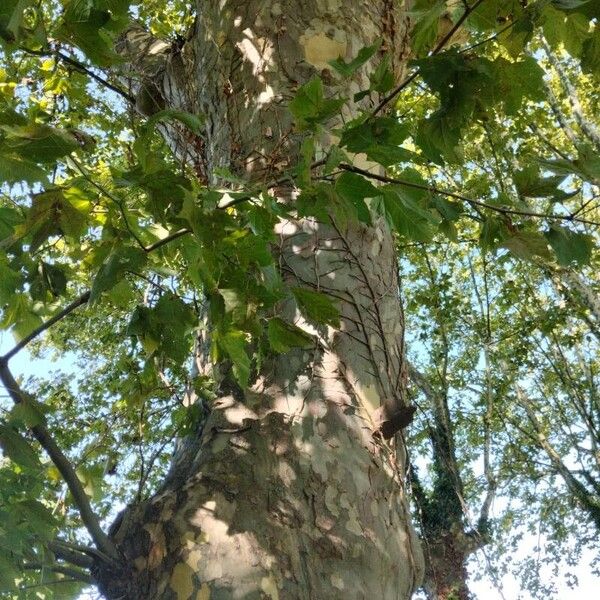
{"x":491,"y":38}
{"x":82,"y":69}
{"x":177,"y":234}
{"x":387,"y":99}
{"x":456,"y":26}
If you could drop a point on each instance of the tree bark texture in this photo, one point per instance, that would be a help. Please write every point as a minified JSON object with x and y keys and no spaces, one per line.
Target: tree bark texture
{"x":447,"y":543}
{"x":285,"y":493}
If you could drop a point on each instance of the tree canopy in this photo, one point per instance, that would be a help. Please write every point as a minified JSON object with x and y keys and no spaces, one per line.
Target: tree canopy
{"x":116,"y":243}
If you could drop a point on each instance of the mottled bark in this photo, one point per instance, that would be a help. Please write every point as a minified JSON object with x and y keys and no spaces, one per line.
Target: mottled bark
{"x":286,"y":493}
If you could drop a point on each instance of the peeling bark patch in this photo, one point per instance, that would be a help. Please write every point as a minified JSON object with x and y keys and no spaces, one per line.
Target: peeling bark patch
{"x":182,"y":581}
{"x":269,"y":586}
{"x":319,"y":49}
{"x":337,"y":582}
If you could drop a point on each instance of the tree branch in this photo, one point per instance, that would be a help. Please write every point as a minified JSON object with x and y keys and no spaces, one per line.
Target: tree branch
{"x":70,"y":555}
{"x":83,"y":69}
{"x":588,"y":128}
{"x":471,"y":201}
{"x":44,"y":326}
{"x":62,"y":463}
{"x":159,"y":243}
{"x":76,"y":574}
{"x":90,"y":551}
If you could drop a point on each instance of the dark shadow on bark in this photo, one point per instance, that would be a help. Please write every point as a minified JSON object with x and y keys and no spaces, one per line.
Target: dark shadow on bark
{"x":305,"y":497}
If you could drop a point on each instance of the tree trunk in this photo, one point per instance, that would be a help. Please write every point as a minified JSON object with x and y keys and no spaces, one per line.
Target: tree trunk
{"x":285,"y":493}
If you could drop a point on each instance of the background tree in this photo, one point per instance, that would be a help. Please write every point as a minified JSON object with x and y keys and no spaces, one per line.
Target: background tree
{"x":491,"y":327}
{"x":286,"y":184}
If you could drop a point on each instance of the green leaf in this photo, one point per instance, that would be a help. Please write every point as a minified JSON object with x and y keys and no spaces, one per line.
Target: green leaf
{"x":124,"y":259}
{"x":142,"y":326}
{"x":19,"y":315}
{"x":530,"y":184}
{"x":407,"y":222}
{"x":234,"y":344}
{"x":10,"y":280}
{"x":570,"y":29}
{"x":53,"y":278}
{"x":284,"y":336}
{"x":17,"y":448}
{"x":164,"y":328}
{"x":381,"y":79}
{"x":491,"y":12}
{"x":354,"y":188}
{"x":515,"y":82}
{"x":569,"y":4}
{"x":527,"y":245}
{"x":518,"y":36}
{"x":9,"y":574}
{"x":570,"y":247}
{"x":348,"y":69}
{"x":39,"y":143}
{"x":20,"y":20}
{"x":38,"y":517}
{"x":316,"y":201}
{"x":14,"y":169}
{"x":334,"y":158}
{"x":52,"y":214}
{"x":29,"y":414}
{"x":9,"y":218}
{"x":317,"y":306}
{"x":310,"y":107}
{"x":177,"y":320}
{"x":91,"y":478}
{"x":426,"y":15}
{"x":492,"y":232}
{"x":439,"y":138}
{"x":588,"y":161}
{"x":590,"y":57}
{"x":87,"y":27}
{"x":380,"y":139}
{"x":451,"y":211}
{"x":195,"y":123}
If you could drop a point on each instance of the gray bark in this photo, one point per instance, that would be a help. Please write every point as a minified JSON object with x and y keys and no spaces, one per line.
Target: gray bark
{"x":286,"y":493}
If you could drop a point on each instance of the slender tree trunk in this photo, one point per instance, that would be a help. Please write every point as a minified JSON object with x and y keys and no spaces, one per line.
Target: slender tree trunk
{"x":447,"y":545}
{"x":286,"y":493}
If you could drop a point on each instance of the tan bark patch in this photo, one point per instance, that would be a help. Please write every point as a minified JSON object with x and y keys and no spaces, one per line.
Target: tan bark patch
{"x":269,"y":587}
{"x":182,"y":582}
{"x":204,"y":592}
{"x":319,"y":49}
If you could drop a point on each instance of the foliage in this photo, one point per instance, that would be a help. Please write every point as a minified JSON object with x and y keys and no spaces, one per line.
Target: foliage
{"x":491,"y":203}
